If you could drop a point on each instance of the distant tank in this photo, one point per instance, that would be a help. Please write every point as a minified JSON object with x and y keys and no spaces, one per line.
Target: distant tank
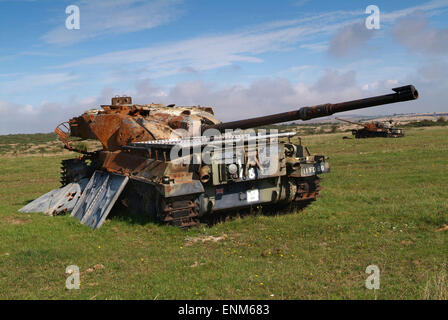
{"x":375,"y":129}
{"x":178,"y":164}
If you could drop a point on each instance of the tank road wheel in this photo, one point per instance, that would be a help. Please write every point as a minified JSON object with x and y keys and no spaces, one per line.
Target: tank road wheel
{"x":143,"y":200}
{"x":181,"y":212}
{"x":299,"y":192}
{"x":290,"y":190}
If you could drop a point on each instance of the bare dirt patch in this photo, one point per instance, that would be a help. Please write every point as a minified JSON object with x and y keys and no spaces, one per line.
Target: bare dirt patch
{"x":95,"y":267}
{"x":16,"y":221}
{"x":202,"y":239}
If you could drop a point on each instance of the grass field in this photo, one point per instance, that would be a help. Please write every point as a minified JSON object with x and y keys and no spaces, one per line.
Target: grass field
{"x":382,"y":204}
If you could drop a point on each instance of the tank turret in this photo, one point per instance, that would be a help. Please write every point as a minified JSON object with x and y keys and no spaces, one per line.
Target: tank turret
{"x":120,"y":123}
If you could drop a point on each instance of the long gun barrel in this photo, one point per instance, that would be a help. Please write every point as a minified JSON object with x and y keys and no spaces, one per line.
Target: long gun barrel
{"x":352,"y":122}
{"x":404,"y":93}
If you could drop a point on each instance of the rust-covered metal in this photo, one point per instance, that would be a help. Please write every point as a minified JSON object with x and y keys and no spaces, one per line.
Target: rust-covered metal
{"x":122,"y":122}
{"x":160,"y":161}
{"x":375,"y":129}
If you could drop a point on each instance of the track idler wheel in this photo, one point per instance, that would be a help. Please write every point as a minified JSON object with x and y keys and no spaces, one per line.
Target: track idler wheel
{"x":308,"y":189}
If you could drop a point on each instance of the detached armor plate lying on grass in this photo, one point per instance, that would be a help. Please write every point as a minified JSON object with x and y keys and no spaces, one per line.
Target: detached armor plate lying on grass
{"x":57,"y":201}
{"x":98,"y":198}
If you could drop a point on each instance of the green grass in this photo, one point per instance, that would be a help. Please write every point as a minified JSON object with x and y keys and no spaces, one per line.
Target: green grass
{"x":19,"y":144}
{"x":37,"y":138}
{"x":381,"y":204}
{"x":44,"y":144}
{"x":428,"y":123}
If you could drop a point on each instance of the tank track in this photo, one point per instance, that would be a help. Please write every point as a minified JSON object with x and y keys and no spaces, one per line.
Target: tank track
{"x":65,"y":168}
{"x":363,"y":135}
{"x":141,"y":198}
{"x":181,"y":212}
{"x":71,"y":170}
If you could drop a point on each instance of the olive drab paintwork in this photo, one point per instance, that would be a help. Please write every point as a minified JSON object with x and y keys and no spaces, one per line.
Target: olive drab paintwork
{"x":177,"y":164}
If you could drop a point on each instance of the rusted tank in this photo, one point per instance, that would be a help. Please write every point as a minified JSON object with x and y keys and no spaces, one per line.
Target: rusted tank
{"x":177,"y":164}
{"x":375,"y":129}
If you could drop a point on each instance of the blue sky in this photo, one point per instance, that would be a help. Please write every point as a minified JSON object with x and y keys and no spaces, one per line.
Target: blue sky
{"x":245,"y":58}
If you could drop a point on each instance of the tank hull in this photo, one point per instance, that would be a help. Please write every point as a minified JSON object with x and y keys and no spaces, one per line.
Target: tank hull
{"x":188,"y":210}
{"x":378,"y":133}
{"x":147,"y":179}
{"x":172,"y":192}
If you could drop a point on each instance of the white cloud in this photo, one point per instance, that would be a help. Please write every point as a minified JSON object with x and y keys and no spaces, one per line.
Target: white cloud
{"x":353,"y":36}
{"x":232,"y":102}
{"x":271,"y":95}
{"x":316,"y":47}
{"x":23,"y":118}
{"x":431,"y":7}
{"x":214,"y":51}
{"x":387,"y":84}
{"x":109,"y":17}
{"x":26,"y":83}
{"x":349,"y":38}
{"x":413,"y":32}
